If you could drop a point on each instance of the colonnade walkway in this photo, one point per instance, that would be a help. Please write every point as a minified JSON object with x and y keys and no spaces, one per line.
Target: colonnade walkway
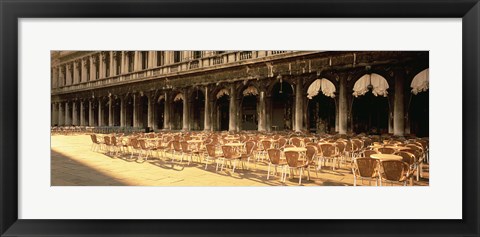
{"x":74,"y":164}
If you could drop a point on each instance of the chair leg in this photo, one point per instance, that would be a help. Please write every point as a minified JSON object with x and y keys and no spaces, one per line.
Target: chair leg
{"x":300,"y":177}
{"x":268,"y":172}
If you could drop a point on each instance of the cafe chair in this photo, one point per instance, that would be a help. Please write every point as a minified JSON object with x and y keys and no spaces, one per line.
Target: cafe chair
{"x":365,"y":168}
{"x":394,"y":171}
{"x":293,"y":163}
{"x":274,"y":157}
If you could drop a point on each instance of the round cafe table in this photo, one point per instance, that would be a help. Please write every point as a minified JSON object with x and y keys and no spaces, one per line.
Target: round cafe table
{"x":297,"y":149}
{"x":398,"y":148}
{"x":386,"y":157}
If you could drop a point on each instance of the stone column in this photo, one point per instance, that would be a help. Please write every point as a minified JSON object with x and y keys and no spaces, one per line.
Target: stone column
{"x":299,"y":105}
{"x":136,"y":61}
{"x":54,"y":115}
{"x":151,"y":112}
{"x":69,"y":74}
{"x":136,"y":110}
{"x":82,"y":114}
{"x":60,"y":77}
{"x":186,"y":120}
{"x":74,"y":114}
{"x":100,"y":113}
{"x":399,"y":107}
{"x":166,"y":112}
{"x":336,"y":116}
{"x":61,"y":115}
{"x":110,"y":111}
{"x":84,"y":70}
{"x":123,"y":112}
{"x":123,"y":63}
{"x":342,"y":106}
{"x":68,"y":116}
{"x":91,"y":116}
{"x":262,"y":112}
{"x":232,"y":123}
{"x":207,"y":118}
{"x":268,"y":112}
{"x":112,"y":64}
{"x":92,"y":67}
{"x":153,"y":59}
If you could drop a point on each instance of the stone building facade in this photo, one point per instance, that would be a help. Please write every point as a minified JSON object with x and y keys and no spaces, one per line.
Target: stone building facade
{"x":241,"y":90}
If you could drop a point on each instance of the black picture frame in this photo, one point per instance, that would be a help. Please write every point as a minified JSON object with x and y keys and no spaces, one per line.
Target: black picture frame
{"x":11,"y":11}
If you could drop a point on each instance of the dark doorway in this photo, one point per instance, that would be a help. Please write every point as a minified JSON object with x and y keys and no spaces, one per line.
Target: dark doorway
{"x":198,"y":110}
{"x":370,"y":114}
{"x":321,"y":114}
{"x":249,"y":113}
{"x":419,"y":114}
{"x":282,"y":100}
{"x":223,"y":106}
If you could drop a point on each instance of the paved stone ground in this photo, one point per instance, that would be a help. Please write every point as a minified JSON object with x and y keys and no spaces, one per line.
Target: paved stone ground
{"x":74,"y":164}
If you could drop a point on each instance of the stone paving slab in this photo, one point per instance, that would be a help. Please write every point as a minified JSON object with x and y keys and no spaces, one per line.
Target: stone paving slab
{"x":74,"y":164}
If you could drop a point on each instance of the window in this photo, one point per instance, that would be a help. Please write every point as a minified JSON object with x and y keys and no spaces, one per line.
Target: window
{"x":144,"y":59}
{"x":118,"y":60}
{"x":197,"y":54}
{"x":97,"y":68}
{"x":130,"y":61}
{"x":220,"y":52}
{"x":176,"y":56}
{"x":160,"y":58}
{"x":107,"y":64}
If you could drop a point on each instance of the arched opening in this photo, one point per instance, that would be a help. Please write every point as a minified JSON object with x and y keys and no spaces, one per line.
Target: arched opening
{"x":418,"y":110}
{"x":249,"y":120}
{"x":95,"y":113}
{"x":159,"y":112}
{"x":197,"y":110}
{"x":105,"y":112}
{"x":86,"y":111}
{"x":76,"y":115}
{"x":370,"y":107}
{"x":282,"y":101}
{"x":116,"y":112}
{"x":69,"y":112}
{"x":177,"y":122}
{"x":143,"y":113}
{"x":223,"y":109}
{"x":129,"y":111}
{"x":321,"y":106}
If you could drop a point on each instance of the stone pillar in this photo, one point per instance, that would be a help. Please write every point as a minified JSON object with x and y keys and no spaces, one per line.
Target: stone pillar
{"x":166,"y":113}
{"x":399,"y":107}
{"x":100,"y":113}
{"x":68,"y":116}
{"x":61,"y":115}
{"x":262,"y":112}
{"x":74,"y":114}
{"x":136,"y":110}
{"x":268,"y":112}
{"x":123,"y":63}
{"x":299,"y":105}
{"x":91,"y":116}
{"x":54,"y":114}
{"x":186,"y":120}
{"x":232,"y":123}
{"x":152,"y":55}
{"x":342,"y":106}
{"x":336,"y":115}
{"x":69,"y":75}
{"x":151,"y":112}
{"x":60,"y":77}
{"x":123,"y":112}
{"x":207,"y":118}
{"x":92,"y":67}
{"x":112,"y":64}
{"x":110,"y":111}
{"x":82,"y":114}
{"x":84,"y":71}
{"x":136,"y":61}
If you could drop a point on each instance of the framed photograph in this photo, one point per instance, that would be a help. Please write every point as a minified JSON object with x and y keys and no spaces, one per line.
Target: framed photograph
{"x":239,"y":118}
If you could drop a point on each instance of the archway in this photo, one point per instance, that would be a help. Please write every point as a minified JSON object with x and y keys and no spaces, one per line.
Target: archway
{"x":95,"y":113}
{"x":86,"y":113}
{"x":129,"y":111}
{"x":116,"y":112}
{"x":197,"y":110}
{"x":223,"y":109}
{"x":143,"y":113}
{"x":159,"y":109}
{"x":177,"y":122}
{"x":249,"y":120}
{"x":105,"y":112}
{"x":418,"y":109}
{"x":282,"y":101}
{"x":321,"y":106}
{"x":370,"y":106}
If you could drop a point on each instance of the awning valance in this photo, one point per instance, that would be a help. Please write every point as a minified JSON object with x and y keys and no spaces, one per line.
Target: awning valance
{"x":420,"y":82}
{"x":222,"y":92}
{"x":379,"y":85}
{"x":251,"y":90}
{"x":327,"y":87}
{"x":178,"y":97}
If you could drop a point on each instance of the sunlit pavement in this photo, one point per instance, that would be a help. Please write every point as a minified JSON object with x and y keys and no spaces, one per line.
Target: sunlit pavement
{"x":74,"y":164}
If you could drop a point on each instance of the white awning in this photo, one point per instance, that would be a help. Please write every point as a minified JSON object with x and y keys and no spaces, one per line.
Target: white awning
{"x":222,"y":92}
{"x":420,"y":82}
{"x":160,"y":98}
{"x":178,"y":97}
{"x":379,"y":84}
{"x":251,"y":90}
{"x":327,"y":87}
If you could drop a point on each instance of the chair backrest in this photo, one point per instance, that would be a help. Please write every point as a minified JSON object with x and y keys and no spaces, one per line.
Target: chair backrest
{"x":292,"y":158}
{"x":349,"y":146}
{"x":134,"y":143}
{"x":274,"y":156}
{"x":328,"y":150}
{"x":367,"y":153}
{"x":249,"y":147}
{"x":386,"y":150}
{"x":93,"y":137}
{"x":296,"y":141}
{"x":366,"y":167}
{"x":415,"y":153}
{"x":310,"y":153}
{"x":228,"y":151}
{"x":266,"y":145}
{"x":184,"y":146}
{"x":281,"y":142}
{"x":407,"y":157}
{"x":106,"y":139}
{"x":394,"y":170}
{"x":358,"y":144}
{"x":113,"y":141}
{"x":142,"y":144}
{"x":177,"y":146}
{"x":341,"y":146}
{"x":210,"y":150}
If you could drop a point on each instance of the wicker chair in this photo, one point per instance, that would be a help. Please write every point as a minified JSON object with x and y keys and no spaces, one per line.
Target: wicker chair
{"x":212,"y":155}
{"x":232,"y":156}
{"x":394,"y":171}
{"x":249,"y":152}
{"x":386,"y":150}
{"x":310,"y":155}
{"x":365,"y":168}
{"x":95,"y":143}
{"x":367,"y":153}
{"x":328,"y":152}
{"x":188,"y":152}
{"x":177,"y":150}
{"x":296,"y":141}
{"x":275,"y":161}
{"x":294,"y":162}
